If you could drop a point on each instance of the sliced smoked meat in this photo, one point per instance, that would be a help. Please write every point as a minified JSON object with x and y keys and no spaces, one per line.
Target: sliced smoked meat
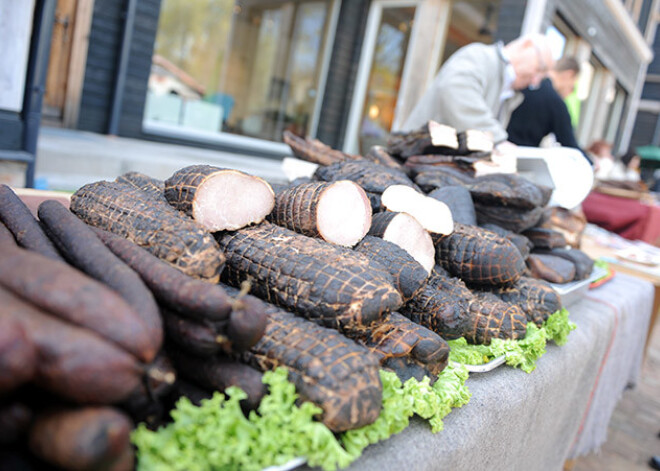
{"x":219,"y":199}
{"x":338,"y":212}
{"x":405,"y":231}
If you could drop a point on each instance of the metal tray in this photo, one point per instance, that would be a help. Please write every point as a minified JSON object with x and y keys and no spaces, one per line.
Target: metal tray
{"x":572,"y":292}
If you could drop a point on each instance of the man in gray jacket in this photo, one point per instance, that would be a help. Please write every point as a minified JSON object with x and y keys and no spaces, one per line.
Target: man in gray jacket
{"x":479,"y":86}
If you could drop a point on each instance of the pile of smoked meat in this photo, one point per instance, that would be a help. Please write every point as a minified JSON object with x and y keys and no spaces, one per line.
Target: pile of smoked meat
{"x":143,"y":291}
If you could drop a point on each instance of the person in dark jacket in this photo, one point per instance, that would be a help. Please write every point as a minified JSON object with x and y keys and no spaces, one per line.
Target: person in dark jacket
{"x":543,"y":110}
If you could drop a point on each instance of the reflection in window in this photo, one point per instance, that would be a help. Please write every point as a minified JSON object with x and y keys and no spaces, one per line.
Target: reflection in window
{"x":247,"y":68}
{"x":385,"y":77}
{"x":471,"y":21}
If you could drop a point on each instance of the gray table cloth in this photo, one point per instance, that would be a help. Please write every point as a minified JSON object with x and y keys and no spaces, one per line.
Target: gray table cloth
{"x":520,"y":421}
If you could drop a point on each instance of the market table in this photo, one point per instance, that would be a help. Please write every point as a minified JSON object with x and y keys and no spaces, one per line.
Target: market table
{"x":597,"y":248}
{"x":520,"y":421}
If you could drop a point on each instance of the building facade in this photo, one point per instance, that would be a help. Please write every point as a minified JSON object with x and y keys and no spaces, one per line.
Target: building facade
{"x":234,"y":74}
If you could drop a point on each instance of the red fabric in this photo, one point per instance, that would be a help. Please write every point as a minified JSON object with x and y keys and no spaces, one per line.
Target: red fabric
{"x":652,"y":230}
{"x":624,"y":216}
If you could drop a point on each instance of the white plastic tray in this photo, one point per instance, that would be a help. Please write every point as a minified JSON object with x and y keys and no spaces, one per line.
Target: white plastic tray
{"x":293,"y":464}
{"x":575,"y":290}
{"x":562,"y":168}
{"x":486,"y":367}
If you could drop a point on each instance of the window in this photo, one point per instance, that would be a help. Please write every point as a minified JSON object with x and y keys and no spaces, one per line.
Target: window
{"x":616,"y":99}
{"x":471,"y":21}
{"x":248,"y":68}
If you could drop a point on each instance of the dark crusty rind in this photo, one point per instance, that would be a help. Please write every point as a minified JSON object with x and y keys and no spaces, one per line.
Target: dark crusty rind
{"x":551,"y":268}
{"x":327,"y":368}
{"x":430,"y":180}
{"x":371,"y":177}
{"x":313,"y":150}
{"x":522,"y":243}
{"x":507,"y":190}
{"x":157,"y":227}
{"x":409,"y":275}
{"x":296,"y":208}
{"x":380,"y":223}
{"x":489,"y":317}
{"x":405,"y":347}
{"x":459,"y":201}
{"x":152,"y":186}
{"x":478,"y":256}
{"x":509,"y":217}
{"x":379,"y":155}
{"x":332,"y":286}
{"x":583,"y":263}
{"x":536,"y":298}
{"x":543,"y":238}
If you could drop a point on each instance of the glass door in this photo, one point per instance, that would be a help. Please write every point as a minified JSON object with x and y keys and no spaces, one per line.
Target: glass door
{"x":404,"y":43}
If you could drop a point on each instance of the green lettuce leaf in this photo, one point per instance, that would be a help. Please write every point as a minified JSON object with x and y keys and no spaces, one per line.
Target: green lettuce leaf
{"x":558,"y":327}
{"x":217,"y":435}
{"x":522,"y":353}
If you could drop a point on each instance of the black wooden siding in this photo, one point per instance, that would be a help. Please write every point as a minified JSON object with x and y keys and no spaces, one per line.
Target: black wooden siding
{"x":103,"y":55}
{"x":100,"y":70}
{"x":510,"y":19}
{"x":139,"y":67}
{"x":342,"y":72}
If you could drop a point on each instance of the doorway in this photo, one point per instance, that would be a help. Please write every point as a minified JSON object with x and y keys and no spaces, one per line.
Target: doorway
{"x":66,"y":65}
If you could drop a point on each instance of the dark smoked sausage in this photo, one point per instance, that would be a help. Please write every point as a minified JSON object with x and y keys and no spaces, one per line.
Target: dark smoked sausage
{"x":22,"y":224}
{"x":85,"y":439}
{"x":80,"y":246}
{"x":218,"y":373}
{"x":190,"y":297}
{"x":18,"y":355}
{"x":6,"y":237}
{"x":69,"y":294}
{"x":74,"y":363}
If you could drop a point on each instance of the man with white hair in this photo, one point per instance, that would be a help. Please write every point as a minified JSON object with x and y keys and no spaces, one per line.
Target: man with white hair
{"x":479,"y":86}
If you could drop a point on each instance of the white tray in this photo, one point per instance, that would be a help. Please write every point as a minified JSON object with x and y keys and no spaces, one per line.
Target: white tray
{"x":575,"y":290}
{"x":293,"y":464}
{"x":486,"y":367}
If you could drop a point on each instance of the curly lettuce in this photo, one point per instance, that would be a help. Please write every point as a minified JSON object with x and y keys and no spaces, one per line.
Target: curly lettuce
{"x":557,"y":327}
{"x":217,"y":435}
{"x":522,"y":353}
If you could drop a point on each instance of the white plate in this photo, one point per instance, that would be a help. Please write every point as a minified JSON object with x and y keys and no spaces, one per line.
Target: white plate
{"x":490,"y":366}
{"x":293,"y":464}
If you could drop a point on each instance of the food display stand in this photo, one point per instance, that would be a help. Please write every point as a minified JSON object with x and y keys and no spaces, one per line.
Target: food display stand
{"x":514,"y":419}
{"x":560,"y":411}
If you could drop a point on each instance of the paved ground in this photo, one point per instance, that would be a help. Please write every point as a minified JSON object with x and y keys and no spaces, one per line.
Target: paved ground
{"x":633,"y":433}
